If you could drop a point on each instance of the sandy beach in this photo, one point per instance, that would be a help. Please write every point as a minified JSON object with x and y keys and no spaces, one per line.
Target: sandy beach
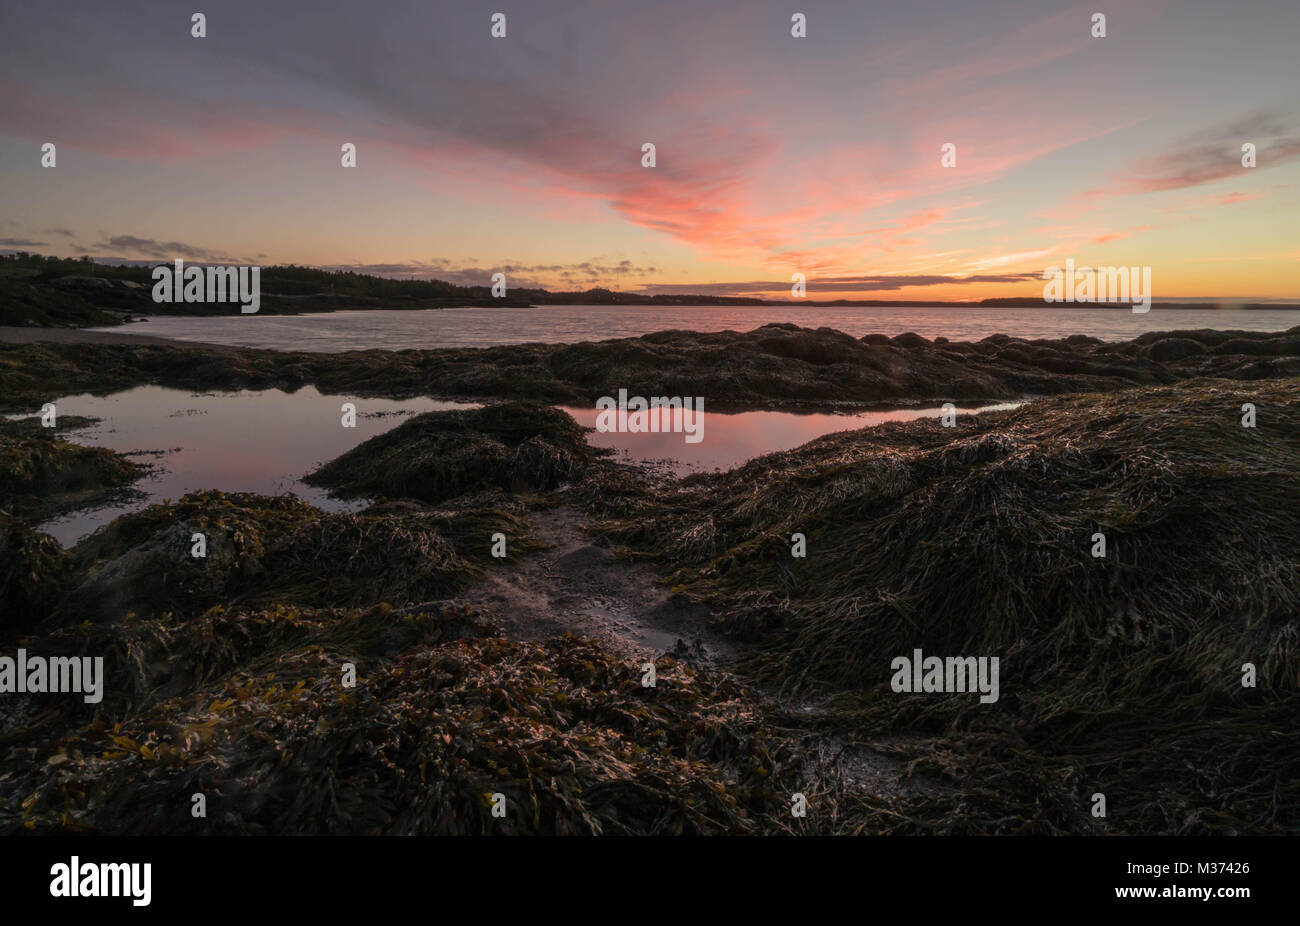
{"x":16,"y":335}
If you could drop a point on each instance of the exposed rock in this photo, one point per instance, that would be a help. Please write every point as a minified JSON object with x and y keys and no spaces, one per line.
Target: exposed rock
{"x":1176,"y":349}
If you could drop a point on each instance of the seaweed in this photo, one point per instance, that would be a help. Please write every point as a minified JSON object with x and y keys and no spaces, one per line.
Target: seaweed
{"x":1120,"y":674}
{"x":33,"y":574}
{"x":262,"y":549}
{"x":776,"y":364}
{"x":43,"y":474}
{"x":247,"y":708}
{"x":1124,"y":672}
{"x":440,"y":455}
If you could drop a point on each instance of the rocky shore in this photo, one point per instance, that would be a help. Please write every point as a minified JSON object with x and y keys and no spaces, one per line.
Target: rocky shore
{"x":773,"y":366}
{"x":502,"y":601}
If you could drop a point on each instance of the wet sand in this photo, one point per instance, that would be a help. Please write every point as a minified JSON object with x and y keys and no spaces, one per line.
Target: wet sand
{"x":15,"y":335}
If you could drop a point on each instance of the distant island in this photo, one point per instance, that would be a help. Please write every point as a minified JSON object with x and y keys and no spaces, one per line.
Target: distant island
{"x":40,"y":291}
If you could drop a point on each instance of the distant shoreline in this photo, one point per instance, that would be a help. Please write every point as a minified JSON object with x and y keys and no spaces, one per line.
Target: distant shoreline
{"x":541,"y":307}
{"x":40,"y":291}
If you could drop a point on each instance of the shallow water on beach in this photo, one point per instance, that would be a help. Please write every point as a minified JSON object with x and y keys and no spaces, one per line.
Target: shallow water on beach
{"x":265,"y":441}
{"x":558,"y":324}
{"x":260,"y":441}
{"x":729,"y":440}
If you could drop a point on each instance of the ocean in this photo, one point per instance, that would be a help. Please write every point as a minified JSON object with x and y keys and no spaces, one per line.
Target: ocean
{"x":488,"y":327}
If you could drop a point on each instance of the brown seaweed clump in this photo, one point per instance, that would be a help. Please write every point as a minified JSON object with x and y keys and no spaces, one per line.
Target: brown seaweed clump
{"x":43,"y":474}
{"x":262,"y":549}
{"x":1120,"y":674}
{"x":776,"y":364}
{"x":33,"y":574}
{"x":515,"y":447}
{"x":248,"y":709}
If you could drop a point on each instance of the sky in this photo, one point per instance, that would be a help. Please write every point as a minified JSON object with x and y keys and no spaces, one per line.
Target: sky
{"x":774,"y":155}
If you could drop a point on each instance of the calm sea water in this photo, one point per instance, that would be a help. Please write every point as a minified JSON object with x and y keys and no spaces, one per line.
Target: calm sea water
{"x":265,"y":441}
{"x":726,"y":441}
{"x":397,"y":330}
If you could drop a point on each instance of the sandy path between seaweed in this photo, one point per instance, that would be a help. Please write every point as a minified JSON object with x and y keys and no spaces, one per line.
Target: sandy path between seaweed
{"x":576,"y":585}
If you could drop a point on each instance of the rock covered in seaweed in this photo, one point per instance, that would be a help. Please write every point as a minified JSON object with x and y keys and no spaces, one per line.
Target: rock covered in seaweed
{"x":441,"y":455}
{"x":978,"y":540}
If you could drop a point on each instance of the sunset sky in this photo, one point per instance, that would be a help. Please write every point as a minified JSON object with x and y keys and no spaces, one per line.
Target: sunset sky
{"x":775,"y":155}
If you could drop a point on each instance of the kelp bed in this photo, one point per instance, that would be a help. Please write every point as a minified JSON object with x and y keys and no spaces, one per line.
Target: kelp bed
{"x":43,"y":474}
{"x":247,"y":708}
{"x":263,"y":549}
{"x":224,"y":674}
{"x":1120,"y":675}
{"x":776,"y":365}
{"x":511,"y":446}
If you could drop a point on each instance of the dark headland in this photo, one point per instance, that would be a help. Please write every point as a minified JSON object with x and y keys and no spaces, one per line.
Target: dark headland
{"x":44,"y":292}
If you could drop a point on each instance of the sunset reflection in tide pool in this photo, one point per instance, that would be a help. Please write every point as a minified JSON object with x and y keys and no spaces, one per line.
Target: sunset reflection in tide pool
{"x":265,"y":441}
{"x":732,"y":439}
{"x":260,"y":441}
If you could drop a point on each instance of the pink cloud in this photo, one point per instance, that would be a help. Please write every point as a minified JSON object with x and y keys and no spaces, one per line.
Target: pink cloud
{"x":1120,"y":235}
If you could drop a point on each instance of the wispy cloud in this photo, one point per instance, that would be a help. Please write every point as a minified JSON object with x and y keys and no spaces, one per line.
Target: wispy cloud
{"x":1006,"y":260}
{"x":585,"y":274}
{"x":828,"y":286}
{"x":1120,"y":235}
{"x":1211,"y":155}
{"x":151,"y":249}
